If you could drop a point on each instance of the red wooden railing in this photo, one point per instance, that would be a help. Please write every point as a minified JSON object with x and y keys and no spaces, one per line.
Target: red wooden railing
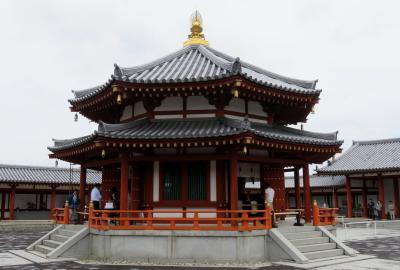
{"x":220,"y":220}
{"x":204,"y":220}
{"x":61,"y":215}
{"x":324,"y":216}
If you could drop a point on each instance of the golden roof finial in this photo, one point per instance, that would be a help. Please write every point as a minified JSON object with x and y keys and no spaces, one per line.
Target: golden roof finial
{"x":196,"y":31}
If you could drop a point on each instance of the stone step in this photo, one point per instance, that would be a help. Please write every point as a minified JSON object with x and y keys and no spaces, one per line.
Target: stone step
{"x":43,"y":249}
{"x":51,"y":243}
{"x":74,"y":227}
{"x":309,"y":241}
{"x":312,"y":234}
{"x":59,"y":238}
{"x":316,"y":247}
{"x":323,"y":254}
{"x":296,"y":229}
{"x":67,"y":232}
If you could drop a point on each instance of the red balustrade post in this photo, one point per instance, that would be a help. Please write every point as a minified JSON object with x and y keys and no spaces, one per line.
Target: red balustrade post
{"x":316,"y":219}
{"x":268,"y":216}
{"x":90,"y":218}
{"x":196,"y":220}
{"x":66,"y":213}
{"x":245,"y":221}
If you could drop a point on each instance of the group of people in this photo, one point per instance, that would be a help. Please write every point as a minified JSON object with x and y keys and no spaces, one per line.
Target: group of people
{"x":375,"y":210}
{"x":96,"y":197}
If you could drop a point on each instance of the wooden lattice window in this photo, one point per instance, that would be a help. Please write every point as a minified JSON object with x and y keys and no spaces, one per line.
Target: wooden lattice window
{"x":172,"y":182}
{"x":197,"y":182}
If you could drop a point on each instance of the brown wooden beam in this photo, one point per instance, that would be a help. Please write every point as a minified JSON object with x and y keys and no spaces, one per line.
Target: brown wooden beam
{"x":307,"y":193}
{"x":349,"y":197}
{"x":381,"y":185}
{"x":297,"y":187}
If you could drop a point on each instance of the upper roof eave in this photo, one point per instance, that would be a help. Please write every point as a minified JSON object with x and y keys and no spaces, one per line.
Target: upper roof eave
{"x":197,"y":63}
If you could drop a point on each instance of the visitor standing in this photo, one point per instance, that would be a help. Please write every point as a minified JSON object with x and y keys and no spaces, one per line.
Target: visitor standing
{"x":371,"y":209}
{"x":73,"y":203}
{"x":378,"y":207}
{"x":269,"y":200}
{"x":95,"y":196}
{"x":391,"y":210}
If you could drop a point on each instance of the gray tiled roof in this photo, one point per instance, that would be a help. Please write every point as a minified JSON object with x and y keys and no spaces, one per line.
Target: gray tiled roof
{"x":318,"y":181}
{"x":45,"y":175}
{"x":367,"y":156}
{"x":197,"y":63}
{"x":147,"y":129}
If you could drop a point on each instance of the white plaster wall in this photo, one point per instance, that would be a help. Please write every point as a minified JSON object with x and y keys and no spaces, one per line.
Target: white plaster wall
{"x":256,"y":108}
{"x":245,"y":169}
{"x":127,"y":113}
{"x":199,"y":115}
{"x":156,"y":181}
{"x":213,"y":181}
{"x":172,"y":116}
{"x":138,"y":108}
{"x":198,"y":103}
{"x":177,"y":215}
{"x":236,"y":105}
{"x":171,"y":104}
{"x":202,"y":215}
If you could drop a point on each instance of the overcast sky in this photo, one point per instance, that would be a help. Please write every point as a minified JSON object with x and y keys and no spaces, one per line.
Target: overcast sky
{"x":48,"y":48}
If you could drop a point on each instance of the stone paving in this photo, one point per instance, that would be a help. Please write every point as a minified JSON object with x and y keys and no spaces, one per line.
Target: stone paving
{"x":387,"y":251}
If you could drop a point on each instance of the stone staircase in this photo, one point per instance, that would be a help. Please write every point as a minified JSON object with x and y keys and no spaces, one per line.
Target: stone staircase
{"x":54,"y":243}
{"x":312,"y":242}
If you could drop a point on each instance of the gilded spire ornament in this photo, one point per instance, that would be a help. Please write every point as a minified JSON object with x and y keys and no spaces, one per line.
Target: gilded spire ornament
{"x":196,"y":35}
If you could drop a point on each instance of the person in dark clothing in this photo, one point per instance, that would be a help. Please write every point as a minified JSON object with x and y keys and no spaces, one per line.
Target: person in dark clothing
{"x":371,"y":209}
{"x":73,"y":203}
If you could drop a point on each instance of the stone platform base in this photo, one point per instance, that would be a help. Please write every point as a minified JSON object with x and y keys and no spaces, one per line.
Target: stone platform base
{"x":175,"y":246}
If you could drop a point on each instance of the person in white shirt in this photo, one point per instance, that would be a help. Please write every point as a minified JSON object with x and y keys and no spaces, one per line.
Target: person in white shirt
{"x":95,"y":196}
{"x":269,"y":200}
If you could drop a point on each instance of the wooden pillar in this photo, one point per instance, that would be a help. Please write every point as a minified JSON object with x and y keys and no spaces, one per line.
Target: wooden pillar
{"x":124,"y":182}
{"x":233,"y":183}
{"x":82,"y":187}
{"x":52,"y":201}
{"x":381,"y":195}
{"x":396,"y":196}
{"x":12,"y":202}
{"x":349,"y":197}
{"x":307,"y":194}
{"x":297,"y":187}
{"x":364,"y":199}
{"x":3,"y":204}
{"x":336,"y":199}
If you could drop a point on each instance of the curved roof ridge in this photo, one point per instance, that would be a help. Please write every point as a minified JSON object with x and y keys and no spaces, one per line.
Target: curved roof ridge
{"x":105,"y":127}
{"x":309,"y":84}
{"x":325,"y":135}
{"x":381,"y":141}
{"x":127,"y":71}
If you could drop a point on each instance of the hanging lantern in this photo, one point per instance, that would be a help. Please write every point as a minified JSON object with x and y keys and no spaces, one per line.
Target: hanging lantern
{"x":119,"y":99}
{"x":103,"y":153}
{"x":313,"y":110}
{"x":245,"y":149}
{"x":76,"y":117}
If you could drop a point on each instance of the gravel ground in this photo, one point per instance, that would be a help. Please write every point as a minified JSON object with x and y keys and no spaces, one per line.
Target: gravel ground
{"x":387,"y":248}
